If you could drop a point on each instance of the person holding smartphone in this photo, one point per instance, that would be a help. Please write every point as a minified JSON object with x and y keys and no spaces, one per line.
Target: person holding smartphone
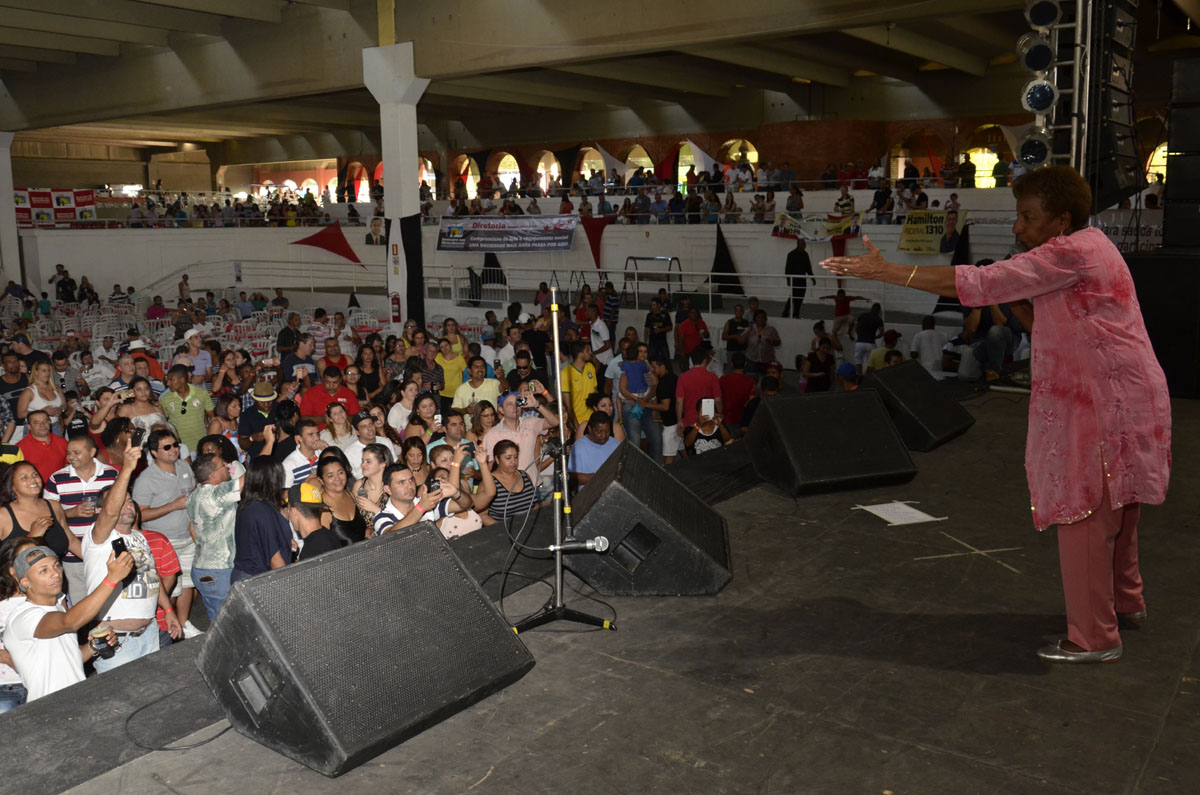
{"x":132,"y":613}
{"x":709,"y":433}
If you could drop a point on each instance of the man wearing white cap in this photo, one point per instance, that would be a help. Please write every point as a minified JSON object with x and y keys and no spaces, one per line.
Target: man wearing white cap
{"x":201,"y":359}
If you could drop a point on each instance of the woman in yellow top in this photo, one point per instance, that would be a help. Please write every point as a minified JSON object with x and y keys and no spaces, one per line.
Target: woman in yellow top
{"x":453,"y":364}
{"x":451,"y":333}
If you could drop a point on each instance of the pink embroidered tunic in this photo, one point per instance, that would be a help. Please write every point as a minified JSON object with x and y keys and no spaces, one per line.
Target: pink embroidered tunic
{"x":1099,"y":407}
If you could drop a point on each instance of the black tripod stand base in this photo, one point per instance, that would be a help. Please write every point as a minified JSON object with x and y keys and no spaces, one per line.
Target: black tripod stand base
{"x":562,"y":614}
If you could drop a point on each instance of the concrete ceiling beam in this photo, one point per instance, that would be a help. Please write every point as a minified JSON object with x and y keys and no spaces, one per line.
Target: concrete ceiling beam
{"x":905,"y":41}
{"x":648,"y":72}
{"x":58,"y":41}
{"x":127,"y":11}
{"x":467,"y":90}
{"x":260,"y":10}
{"x":16,"y":65}
{"x":81,"y":26}
{"x":36,"y":54}
{"x":755,"y":57}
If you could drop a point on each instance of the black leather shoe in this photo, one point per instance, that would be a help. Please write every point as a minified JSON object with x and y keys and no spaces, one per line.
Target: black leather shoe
{"x":1136,"y":618}
{"x":1057,"y":654}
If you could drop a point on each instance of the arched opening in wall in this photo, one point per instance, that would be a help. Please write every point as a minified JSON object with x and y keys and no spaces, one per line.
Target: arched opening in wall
{"x":925,"y":148}
{"x":738,"y":151}
{"x":548,"y":169}
{"x":590,"y":162}
{"x":508,"y":170}
{"x":637,"y":158}
{"x":1156,"y":166}
{"x":290,"y":185}
{"x":377,"y":176}
{"x":686,"y":162}
{"x":332,"y":188}
{"x":264,"y":190}
{"x":356,"y":179}
{"x":464,"y":175}
{"x":309,"y":186}
{"x":986,"y":146}
{"x":425,"y":173}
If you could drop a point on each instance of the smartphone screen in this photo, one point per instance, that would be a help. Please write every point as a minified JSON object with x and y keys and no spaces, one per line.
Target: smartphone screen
{"x":708,"y":407}
{"x":437,"y":419}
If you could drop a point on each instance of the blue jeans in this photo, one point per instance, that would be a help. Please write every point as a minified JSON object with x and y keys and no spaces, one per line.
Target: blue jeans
{"x":11,"y":697}
{"x":653,"y":431}
{"x":131,"y":649}
{"x":213,"y":585}
{"x":633,"y":424}
{"x":987,"y":353}
{"x":164,"y":639}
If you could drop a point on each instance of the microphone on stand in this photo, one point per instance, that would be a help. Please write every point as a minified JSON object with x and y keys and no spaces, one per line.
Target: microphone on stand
{"x":597,"y":544}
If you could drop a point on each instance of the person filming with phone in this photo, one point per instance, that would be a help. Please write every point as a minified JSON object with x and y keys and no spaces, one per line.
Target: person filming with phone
{"x":130,"y":608}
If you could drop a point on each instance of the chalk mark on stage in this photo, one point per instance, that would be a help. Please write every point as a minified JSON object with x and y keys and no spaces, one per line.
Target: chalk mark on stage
{"x":987,"y":553}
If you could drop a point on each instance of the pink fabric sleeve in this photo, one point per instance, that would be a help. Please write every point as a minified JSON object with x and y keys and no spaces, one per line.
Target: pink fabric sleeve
{"x":1047,"y":269}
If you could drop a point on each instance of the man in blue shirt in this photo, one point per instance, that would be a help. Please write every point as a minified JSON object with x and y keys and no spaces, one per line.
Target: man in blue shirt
{"x":244,"y":307}
{"x":589,"y":453}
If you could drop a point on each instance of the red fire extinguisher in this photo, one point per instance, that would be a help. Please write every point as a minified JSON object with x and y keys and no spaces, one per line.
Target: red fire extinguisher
{"x":396,"y":307}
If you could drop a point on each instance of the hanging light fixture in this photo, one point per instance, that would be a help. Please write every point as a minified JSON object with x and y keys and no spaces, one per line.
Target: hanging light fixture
{"x":1043,"y":14}
{"x":1034,"y":149}
{"x":1039,"y":96}
{"x":1034,"y":52}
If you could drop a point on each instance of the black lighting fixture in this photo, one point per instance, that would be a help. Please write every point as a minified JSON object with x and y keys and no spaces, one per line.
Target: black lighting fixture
{"x":1043,"y":14}
{"x":1034,"y":52}
{"x":1034,"y":149}
{"x":1039,"y":96}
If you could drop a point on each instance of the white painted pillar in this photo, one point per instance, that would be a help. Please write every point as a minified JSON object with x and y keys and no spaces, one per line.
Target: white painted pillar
{"x":388,"y":75}
{"x":10,"y":247}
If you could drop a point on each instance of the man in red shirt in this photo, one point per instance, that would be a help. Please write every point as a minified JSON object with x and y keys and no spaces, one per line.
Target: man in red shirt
{"x":692,"y":332}
{"x":736,"y":390}
{"x":166,"y":563}
{"x":317,"y":398}
{"x":333,"y":356}
{"x":697,"y":383}
{"x":46,"y":451}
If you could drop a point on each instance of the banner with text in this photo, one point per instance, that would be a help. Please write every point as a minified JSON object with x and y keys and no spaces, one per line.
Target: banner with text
{"x":927,"y":231}
{"x":817,"y":227}
{"x":47,"y":208}
{"x":507,"y":233}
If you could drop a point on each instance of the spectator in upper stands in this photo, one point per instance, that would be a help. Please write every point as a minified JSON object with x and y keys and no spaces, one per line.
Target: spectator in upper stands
{"x":845,"y":203}
{"x":966,"y":172}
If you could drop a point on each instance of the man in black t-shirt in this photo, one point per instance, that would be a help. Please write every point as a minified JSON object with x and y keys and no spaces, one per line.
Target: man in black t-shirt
{"x":13,"y":382}
{"x":661,"y":437}
{"x":25,"y":352}
{"x":285,"y":343}
{"x":524,"y":371}
{"x":658,"y":323}
{"x":538,"y":341}
{"x":797,"y":267}
{"x":734,"y":328}
{"x":869,"y":328}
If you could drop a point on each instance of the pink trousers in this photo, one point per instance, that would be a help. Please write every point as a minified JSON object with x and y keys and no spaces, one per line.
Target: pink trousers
{"x":1099,"y":561}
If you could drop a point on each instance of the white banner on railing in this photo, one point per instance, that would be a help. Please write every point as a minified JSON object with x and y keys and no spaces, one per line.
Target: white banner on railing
{"x":507,"y":233}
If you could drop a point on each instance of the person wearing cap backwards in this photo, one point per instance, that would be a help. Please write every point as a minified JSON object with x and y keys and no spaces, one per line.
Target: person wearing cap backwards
{"x":304,"y":508}
{"x":847,"y":375}
{"x":891,"y":338}
{"x":40,"y":634}
{"x":131,"y":611}
{"x":202,"y":363}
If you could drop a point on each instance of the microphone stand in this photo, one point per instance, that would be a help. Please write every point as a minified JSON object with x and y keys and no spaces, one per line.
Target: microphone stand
{"x":562,"y":511}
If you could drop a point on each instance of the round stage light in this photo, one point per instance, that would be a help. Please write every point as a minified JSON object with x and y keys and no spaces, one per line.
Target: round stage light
{"x":1035,"y":52}
{"x":1043,"y":13}
{"x":1034,"y":149}
{"x":1039,"y":96}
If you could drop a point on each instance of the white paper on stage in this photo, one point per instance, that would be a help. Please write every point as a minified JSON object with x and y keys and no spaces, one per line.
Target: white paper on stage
{"x":899,"y":513}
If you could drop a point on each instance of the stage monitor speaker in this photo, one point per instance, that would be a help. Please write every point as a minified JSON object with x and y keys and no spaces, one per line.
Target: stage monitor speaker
{"x":336,"y":659}
{"x":1113,"y":166}
{"x":663,"y":540}
{"x":925,"y":415}
{"x":1168,"y":290}
{"x":807,"y":444}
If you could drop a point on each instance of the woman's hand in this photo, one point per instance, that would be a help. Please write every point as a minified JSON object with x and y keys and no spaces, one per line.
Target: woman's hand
{"x":39,"y":526}
{"x":871,"y":265}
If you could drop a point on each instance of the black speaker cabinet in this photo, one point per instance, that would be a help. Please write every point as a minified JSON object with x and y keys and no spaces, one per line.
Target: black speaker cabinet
{"x":925,"y":415}
{"x":334,"y":660}
{"x":1168,"y":290}
{"x":807,"y":444}
{"x":663,"y":539}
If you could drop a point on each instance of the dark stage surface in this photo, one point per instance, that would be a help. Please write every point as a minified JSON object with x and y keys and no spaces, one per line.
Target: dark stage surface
{"x":834,"y":662}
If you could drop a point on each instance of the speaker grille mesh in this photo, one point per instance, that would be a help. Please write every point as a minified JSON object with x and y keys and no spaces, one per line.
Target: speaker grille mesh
{"x":398,"y":634}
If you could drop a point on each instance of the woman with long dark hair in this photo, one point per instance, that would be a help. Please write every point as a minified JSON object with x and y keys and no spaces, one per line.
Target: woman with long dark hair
{"x":1099,"y":440}
{"x":344,"y":519}
{"x":27,"y":513}
{"x":505,"y":491}
{"x":370,"y":382}
{"x":262,"y":537}
{"x":423,"y":422}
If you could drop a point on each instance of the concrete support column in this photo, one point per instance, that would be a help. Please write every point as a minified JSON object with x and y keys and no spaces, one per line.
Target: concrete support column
{"x":10,"y":247}
{"x":388,"y":75}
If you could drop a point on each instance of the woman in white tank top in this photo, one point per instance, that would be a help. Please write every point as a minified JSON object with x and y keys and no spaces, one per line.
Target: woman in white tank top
{"x":42,"y":393}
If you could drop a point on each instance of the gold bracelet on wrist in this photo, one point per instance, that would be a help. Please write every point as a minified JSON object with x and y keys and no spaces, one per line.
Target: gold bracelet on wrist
{"x":911,"y":275}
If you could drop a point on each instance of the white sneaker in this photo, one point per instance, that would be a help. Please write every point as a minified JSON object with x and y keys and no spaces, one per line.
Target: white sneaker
{"x":190,"y":631}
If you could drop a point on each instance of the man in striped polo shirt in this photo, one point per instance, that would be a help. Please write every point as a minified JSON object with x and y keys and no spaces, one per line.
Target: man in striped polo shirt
{"x":301,"y":462}
{"x":77,"y":488}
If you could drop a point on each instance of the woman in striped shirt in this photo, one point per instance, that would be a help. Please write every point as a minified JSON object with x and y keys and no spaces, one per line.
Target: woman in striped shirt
{"x":506,"y":491}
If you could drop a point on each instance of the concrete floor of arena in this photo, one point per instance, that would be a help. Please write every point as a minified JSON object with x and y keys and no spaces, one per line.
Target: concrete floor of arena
{"x":844,"y":657}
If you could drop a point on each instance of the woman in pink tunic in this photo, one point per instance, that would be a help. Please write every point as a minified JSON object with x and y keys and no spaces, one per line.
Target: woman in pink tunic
{"x":1099,"y":442}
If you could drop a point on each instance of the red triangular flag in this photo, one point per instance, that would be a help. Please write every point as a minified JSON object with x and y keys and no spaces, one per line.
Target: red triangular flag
{"x":332,"y":240}
{"x":594,"y":227}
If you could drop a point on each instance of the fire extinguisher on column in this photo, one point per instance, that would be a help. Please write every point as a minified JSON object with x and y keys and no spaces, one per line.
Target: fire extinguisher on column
{"x":396,"y":308}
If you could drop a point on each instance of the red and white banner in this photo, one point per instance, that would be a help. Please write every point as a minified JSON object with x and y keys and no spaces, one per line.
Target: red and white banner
{"x":50,"y":208}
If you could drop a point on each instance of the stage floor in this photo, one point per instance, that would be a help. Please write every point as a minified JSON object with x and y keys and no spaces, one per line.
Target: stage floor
{"x":836,"y":661}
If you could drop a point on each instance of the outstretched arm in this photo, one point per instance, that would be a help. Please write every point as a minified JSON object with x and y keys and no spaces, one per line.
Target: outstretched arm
{"x":931,"y":278}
